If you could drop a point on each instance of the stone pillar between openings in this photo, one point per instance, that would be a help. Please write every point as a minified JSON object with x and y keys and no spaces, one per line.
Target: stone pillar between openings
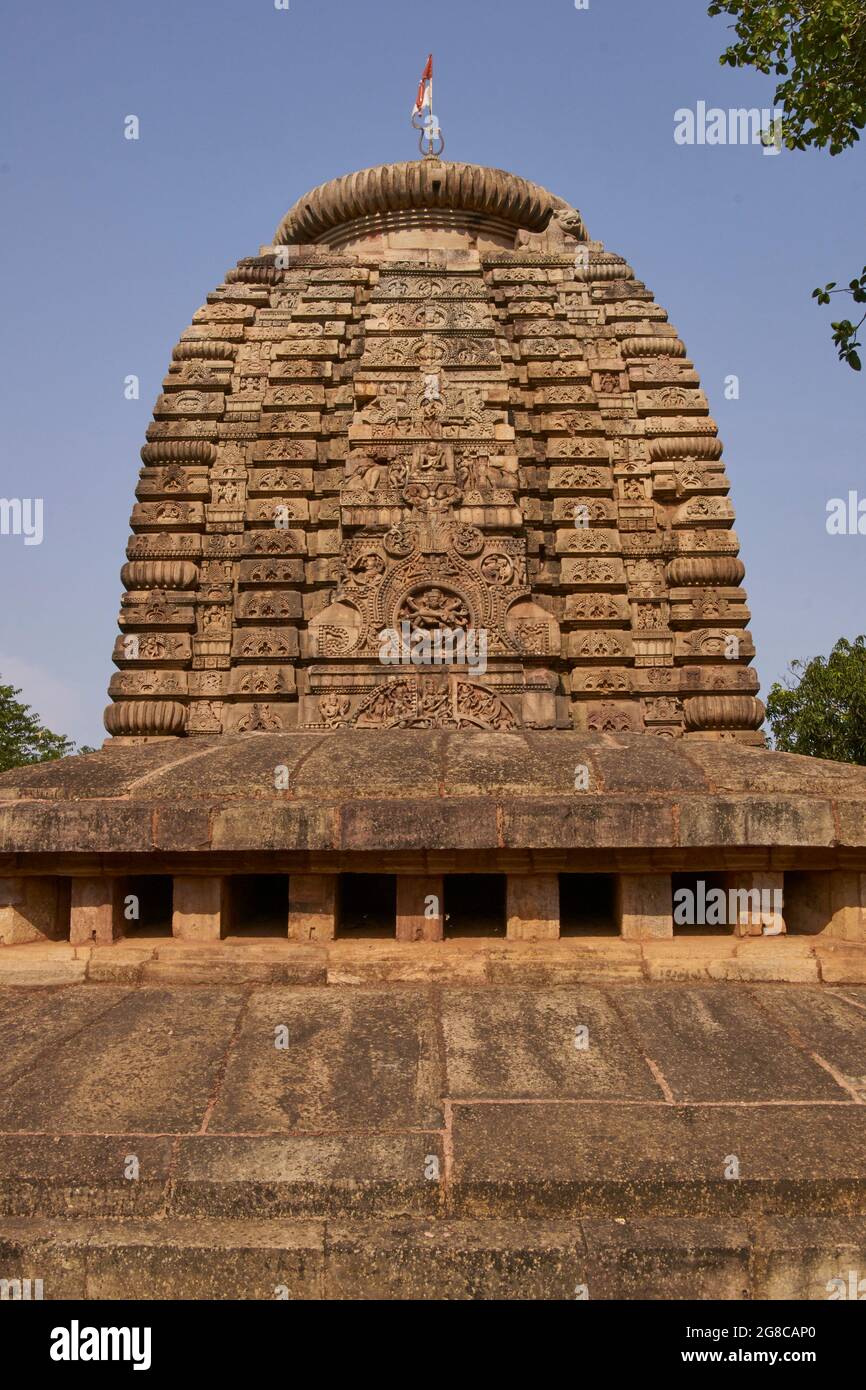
{"x":420,"y":912}
{"x":830,"y":903}
{"x":96,"y":911}
{"x":847,"y":906}
{"x":313,"y":900}
{"x":644,"y":906}
{"x":33,"y":909}
{"x":532,"y":907}
{"x":756,"y":903}
{"x":199,"y":907}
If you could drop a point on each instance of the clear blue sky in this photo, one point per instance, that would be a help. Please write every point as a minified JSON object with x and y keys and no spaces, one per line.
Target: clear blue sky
{"x":110,"y":245}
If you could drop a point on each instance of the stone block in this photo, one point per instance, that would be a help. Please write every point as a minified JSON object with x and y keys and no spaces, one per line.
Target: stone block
{"x":847,"y":906}
{"x":532,"y":907}
{"x":755,"y":903}
{"x":199,"y":907}
{"x":644,"y":906}
{"x":33,"y":909}
{"x":313,"y":907}
{"x":420,"y":911}
{"x":96,"y":911}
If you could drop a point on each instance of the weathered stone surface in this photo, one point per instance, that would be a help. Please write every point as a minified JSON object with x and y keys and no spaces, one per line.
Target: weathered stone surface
{"x":444,"y":789}
{"x":416,"y":1258}
{"x":520,"y":1043}
{"x":392,"y":963}
{"x":32,"y":1025}
{"x":199,"y":907}
{"x":422,"y":825}
{"x":756,"y":820}
{"x":420,"y":907}
{"x":711,"y":1042}
{"x":643,"y":906}
{"x":828,"y":1026}
{"x":674,"y":1259}
{"x":96,"y":912}
{"x":458,"y":960}
{"x":76,"y":1175}
{"x":353,"y":1164}
{"x":312,"y":907}
{"x":532,"y":907}
{"x":336,"y":1175}
{"x":32,"y":909}
{"x":353,"y":1060}
{"x":558,"y":1159}
{"x":167,"y":1048}
{"x":808,"y":1259}
{"x":206,"y":1259}
{"x":449,"y":1260}
{"x":758,"y":959}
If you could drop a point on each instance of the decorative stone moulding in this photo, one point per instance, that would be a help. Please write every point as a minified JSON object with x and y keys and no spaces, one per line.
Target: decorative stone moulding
{"x":255,"y":272}
{"x":145,"y":718}
{"x":705,"y":569}
{"x":195,"y":348}
{"x":159,"y":574}
{"x":667,"y":449}
{"x":426,"y":185}
{"x":723,"y":712}
{"x":179,"y":451}
{"x":653,"y":347}
{"x":605,"y":269}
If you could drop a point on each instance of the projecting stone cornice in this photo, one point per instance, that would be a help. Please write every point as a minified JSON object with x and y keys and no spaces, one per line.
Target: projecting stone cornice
{"x":425,"y":186}
{"x":648,"y":799}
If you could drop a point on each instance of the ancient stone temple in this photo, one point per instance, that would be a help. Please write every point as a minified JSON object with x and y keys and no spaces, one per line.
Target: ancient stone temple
{"x":433,"y":613}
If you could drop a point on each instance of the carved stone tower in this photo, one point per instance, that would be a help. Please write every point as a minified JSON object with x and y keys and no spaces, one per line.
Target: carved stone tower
{"x":433,"y":615}
{"x":433,"y":405}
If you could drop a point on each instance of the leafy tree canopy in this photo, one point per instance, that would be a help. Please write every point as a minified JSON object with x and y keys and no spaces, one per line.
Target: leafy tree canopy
{"x":23,"y":737}
{"x":817,"y":48}
{"x":822,"y":710}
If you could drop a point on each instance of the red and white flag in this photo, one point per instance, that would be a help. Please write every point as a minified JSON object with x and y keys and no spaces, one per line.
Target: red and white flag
{"x":425,"y":90}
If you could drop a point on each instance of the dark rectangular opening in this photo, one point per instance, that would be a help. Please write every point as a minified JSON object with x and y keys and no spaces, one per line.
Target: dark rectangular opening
{"x":63,"y":907}
{"x":808,"y":907}
{"x":587,"y":904}
{"x":474,"y":905}
{"x":259,"y":905}
{"x":146,"y":905}
{"x":699,"y":905}
{"x":367,"y":905}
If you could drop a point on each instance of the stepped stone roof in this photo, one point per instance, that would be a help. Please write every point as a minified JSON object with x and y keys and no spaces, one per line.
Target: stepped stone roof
{"x":440,"y":791}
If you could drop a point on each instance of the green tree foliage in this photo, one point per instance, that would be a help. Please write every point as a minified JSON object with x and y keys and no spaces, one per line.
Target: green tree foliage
{"x":817,"y":50}
{"x":822,"y":710}
{"x":23,"y":738}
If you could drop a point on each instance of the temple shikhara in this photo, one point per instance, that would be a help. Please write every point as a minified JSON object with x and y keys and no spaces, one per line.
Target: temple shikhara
{"x":435,"y":401}
{"x":433,"y":618}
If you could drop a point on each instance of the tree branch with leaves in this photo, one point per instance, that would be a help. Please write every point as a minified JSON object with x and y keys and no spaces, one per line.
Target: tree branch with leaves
{"x":817,"y":48}
{"x":23,"y":737}
{"x":821,"y":711}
